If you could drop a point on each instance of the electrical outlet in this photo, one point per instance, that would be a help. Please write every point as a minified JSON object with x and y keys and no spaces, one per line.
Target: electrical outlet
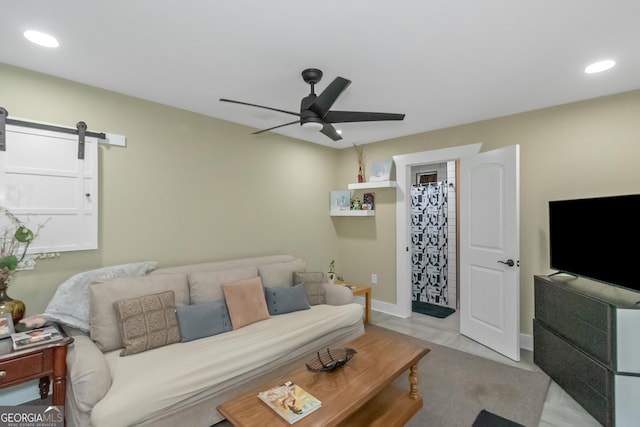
{"x":374,"y":279}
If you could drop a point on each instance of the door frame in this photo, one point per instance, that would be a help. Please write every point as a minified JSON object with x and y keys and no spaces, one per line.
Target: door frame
{"x":403,"y":163}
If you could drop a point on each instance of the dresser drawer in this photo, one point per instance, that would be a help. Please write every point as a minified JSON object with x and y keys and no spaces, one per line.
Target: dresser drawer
{"x":586,"y":380}
{"x":31,"y":365}
{"x":585,"y":322}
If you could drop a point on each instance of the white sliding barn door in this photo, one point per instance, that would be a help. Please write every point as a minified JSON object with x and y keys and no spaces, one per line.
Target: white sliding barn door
{"x":42,"y":181}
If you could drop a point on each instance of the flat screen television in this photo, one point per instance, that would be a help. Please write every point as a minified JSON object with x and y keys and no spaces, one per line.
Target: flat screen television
{"x":597,"y":238}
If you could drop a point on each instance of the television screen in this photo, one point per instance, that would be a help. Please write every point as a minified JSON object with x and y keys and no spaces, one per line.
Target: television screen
{"x":596,"y":238}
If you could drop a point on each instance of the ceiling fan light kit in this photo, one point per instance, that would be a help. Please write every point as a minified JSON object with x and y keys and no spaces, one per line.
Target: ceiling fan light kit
{"x":312,"y":126}
{"x":315,"y":110}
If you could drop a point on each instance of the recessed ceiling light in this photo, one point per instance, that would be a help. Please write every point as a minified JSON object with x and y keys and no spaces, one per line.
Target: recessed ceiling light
{"x":600,"y":66}
{"x":41,"y":39}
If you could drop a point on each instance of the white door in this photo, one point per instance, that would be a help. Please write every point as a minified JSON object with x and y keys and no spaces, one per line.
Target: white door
{"x":490,"y":250}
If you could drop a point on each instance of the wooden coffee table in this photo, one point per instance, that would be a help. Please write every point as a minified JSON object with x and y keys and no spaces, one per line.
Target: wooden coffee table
{"x":360,"y":393}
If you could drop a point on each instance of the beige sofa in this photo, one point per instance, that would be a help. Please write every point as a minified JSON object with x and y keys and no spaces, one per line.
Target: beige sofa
{"x":182,"y":383}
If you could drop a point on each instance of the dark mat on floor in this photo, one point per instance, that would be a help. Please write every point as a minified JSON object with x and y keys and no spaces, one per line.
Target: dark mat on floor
{"x":488,"y":419}
{"x":433,"y":310}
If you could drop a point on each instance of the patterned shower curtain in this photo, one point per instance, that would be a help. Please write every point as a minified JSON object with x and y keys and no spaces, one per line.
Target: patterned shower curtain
{"x":429,"y":242}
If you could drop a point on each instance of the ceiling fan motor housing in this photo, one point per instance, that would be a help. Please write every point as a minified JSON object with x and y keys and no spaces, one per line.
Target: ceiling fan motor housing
{"x":306,"y":115}
{"x":312,"y":75}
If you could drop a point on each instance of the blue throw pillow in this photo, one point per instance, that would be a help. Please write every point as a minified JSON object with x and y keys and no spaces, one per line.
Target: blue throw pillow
{"x":203,"y":320}
{"x":286,"y":300}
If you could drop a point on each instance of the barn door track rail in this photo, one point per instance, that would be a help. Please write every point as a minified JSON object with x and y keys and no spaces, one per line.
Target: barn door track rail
{"x":80,"y":130}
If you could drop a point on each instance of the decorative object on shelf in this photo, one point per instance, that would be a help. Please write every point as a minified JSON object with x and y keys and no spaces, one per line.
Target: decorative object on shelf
{"x":357,"y":205}
{"x":381,"y":170}
{"x":330,"y":360}
{"x":331,"y":274}
{"x":15,"y":238}
{"x":368,"y":200}
{"x":340,"y":200}
{"x":360,"y":156}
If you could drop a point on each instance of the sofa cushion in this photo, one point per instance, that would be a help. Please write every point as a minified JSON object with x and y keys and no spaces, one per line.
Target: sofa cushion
{"x":206,"y":286}
{"x":280,"y":274}
{"x":147,"y":322}
{"x":102,"y":295}
{"x":203,"y":320}
{"x":286,"y":300}
{"x":314,"y":283}
{"x":246,"y":302}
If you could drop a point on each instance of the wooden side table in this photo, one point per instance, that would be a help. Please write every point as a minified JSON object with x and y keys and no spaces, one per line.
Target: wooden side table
{"x":44,"y":362}
{"x":361,"y":290}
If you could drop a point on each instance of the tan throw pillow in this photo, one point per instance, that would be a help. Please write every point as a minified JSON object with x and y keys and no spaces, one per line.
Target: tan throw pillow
{"x":245,"y":301}
{"x":147,"y":322}
{"x":314,"y":283}
{"x":280,"y":274}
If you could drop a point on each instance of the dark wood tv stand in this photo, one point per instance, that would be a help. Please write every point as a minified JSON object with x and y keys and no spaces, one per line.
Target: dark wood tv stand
{"x":587,"y":339}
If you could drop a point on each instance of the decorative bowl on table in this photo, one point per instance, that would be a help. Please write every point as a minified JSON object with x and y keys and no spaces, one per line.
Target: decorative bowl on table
{"x":330,"y":360}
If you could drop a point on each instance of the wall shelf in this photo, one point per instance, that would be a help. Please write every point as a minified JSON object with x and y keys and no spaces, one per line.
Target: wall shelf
{"x":364,"y":212}
{"x":373,"y":184}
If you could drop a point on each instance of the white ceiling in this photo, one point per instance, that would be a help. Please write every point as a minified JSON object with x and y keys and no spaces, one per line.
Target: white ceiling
{"x":442,"y":63}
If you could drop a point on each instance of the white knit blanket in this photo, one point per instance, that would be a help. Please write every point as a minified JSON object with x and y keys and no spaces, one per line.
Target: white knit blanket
{"x":70,"y":304}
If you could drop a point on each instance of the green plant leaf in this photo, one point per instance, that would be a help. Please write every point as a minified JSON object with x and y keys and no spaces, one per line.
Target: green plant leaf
{"x":9,"y":261}
{"x":24,"y":235}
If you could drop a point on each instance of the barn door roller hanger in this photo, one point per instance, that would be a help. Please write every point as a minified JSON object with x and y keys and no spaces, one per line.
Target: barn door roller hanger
{"x":80,"y":130}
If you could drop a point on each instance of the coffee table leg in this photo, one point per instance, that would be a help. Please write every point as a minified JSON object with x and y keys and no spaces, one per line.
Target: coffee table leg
{"x":413,"y":383}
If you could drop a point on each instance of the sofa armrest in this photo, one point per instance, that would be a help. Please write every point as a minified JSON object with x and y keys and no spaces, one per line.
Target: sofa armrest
{"x":337,"y":295}
{"x":87,"y":372}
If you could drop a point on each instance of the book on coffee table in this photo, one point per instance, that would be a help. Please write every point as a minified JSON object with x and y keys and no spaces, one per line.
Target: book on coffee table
{"x":290,"y":401}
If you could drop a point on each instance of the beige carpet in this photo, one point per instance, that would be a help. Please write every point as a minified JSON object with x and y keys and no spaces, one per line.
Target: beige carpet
{"x":456,"y":386}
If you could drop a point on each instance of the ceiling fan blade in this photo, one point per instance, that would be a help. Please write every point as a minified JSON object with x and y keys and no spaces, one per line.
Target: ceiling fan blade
{"x":331,"y":132}
{"x":275,"y":127}
{"x":325,"y":100}
{"x":259,"y":106}
{"x":359,"y":116}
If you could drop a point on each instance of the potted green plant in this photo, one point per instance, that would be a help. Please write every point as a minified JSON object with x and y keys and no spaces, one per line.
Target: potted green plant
{"x":15,"y":238}
{"x":332,"y":272}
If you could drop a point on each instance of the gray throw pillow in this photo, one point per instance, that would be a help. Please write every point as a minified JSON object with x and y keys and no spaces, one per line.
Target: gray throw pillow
{"x":314,"y":283}
{"x":286,"y":300}
{"x":203,"y":320}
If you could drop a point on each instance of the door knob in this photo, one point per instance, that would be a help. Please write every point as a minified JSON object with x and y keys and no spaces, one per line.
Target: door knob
{"x":508,"y":262}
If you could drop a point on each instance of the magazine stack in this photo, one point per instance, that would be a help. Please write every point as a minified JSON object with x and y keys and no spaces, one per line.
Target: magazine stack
{"x":290,"y":401}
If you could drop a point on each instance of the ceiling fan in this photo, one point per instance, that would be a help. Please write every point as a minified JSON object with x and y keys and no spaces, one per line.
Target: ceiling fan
{"x":315,"y":110}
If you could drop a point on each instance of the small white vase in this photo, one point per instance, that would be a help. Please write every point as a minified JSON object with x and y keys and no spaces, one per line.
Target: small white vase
{"x":332,"y":279}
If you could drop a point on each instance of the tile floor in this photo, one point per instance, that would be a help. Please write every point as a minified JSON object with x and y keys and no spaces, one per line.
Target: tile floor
{"x":560,"y":410}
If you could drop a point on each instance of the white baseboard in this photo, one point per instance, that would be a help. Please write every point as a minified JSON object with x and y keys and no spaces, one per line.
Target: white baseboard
{"x":386,"y":308}
{"x":526,"y":340}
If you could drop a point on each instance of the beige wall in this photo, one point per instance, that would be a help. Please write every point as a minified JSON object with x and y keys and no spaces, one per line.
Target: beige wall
{"x":585,"y":149}
{"x":189,"y":188}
